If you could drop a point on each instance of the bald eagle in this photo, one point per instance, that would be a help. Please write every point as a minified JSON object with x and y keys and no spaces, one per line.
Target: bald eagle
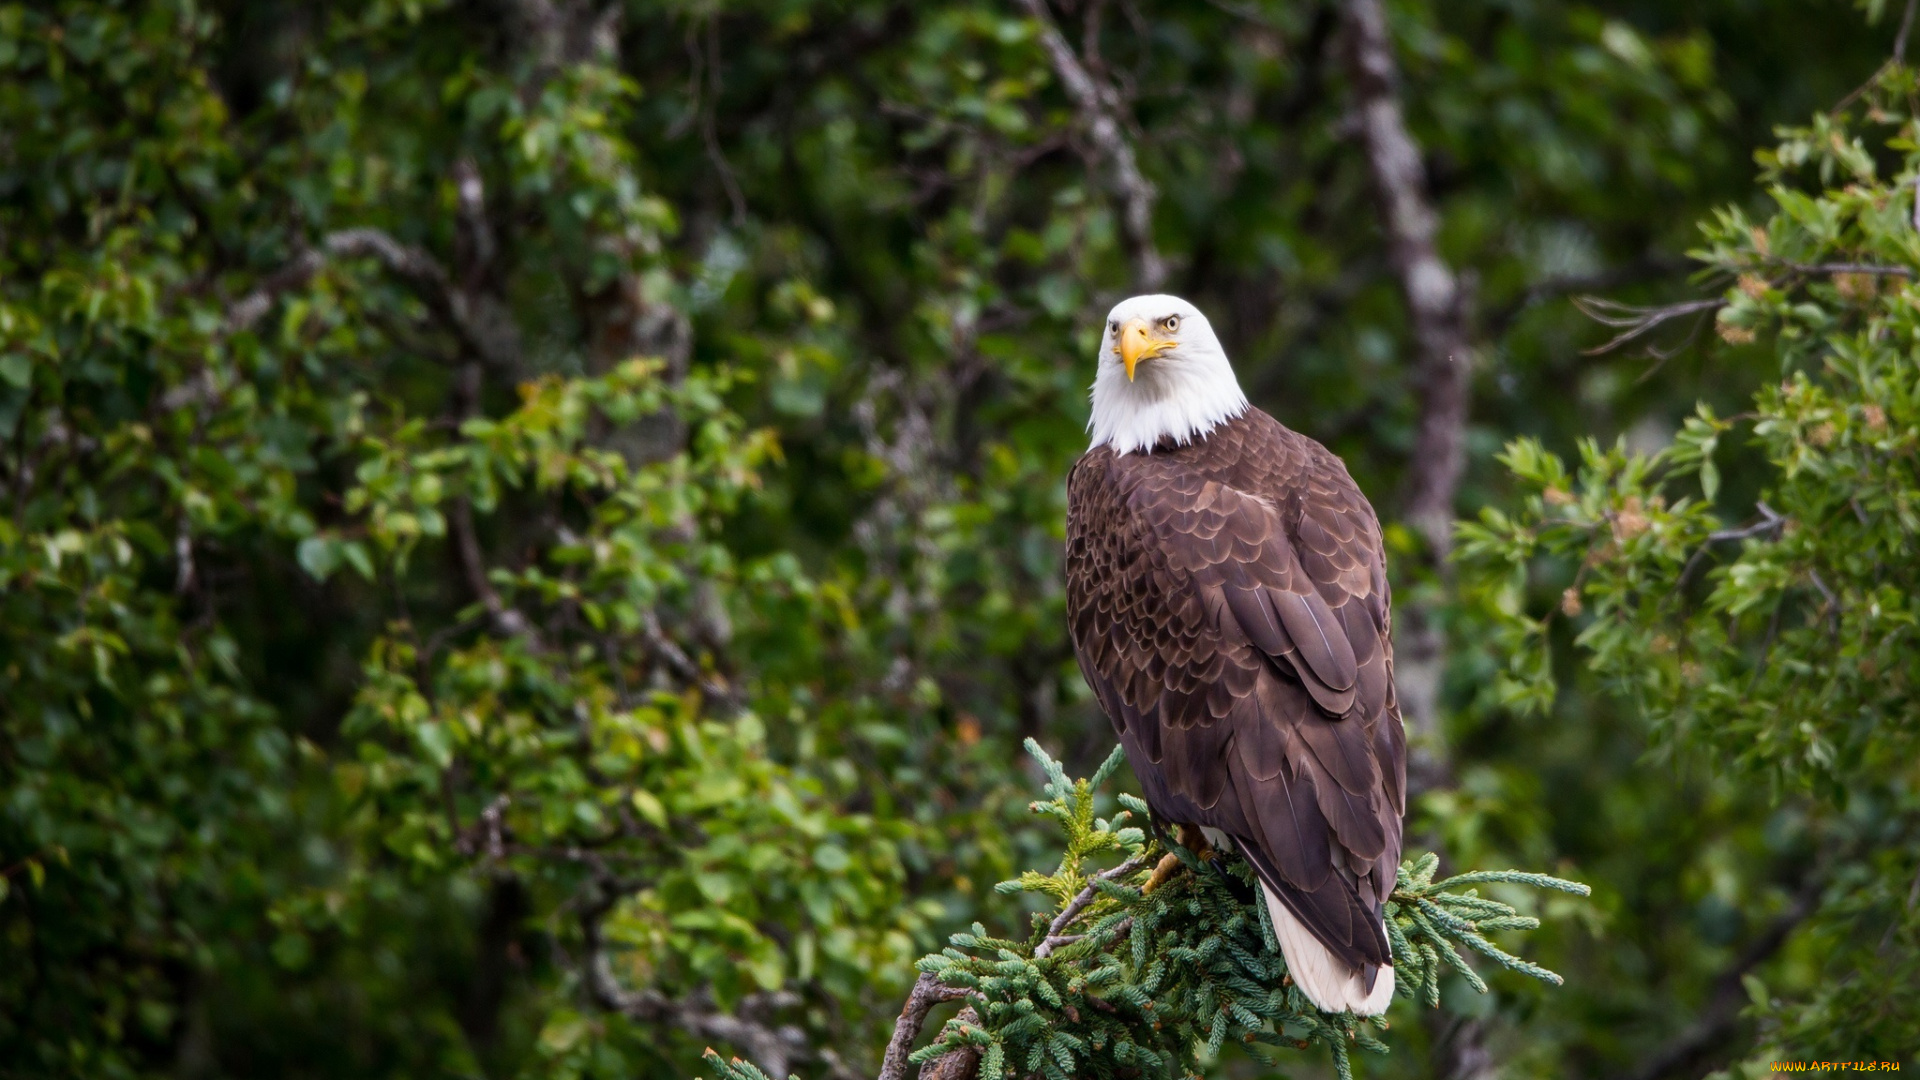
{"x":1228,"y":596}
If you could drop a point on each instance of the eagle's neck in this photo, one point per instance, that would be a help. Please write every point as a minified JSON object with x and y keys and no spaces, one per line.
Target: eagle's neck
{"x":1179,"y":402}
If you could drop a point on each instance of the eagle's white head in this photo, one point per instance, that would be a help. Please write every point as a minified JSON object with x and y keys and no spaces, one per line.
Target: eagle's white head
{"x":1162,"y":374}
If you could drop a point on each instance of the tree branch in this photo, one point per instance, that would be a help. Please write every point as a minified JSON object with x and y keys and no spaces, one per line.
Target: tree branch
{"x":1057,"y":929}
{"x":568,"y":32}
{"x":1634,"y":320}
{"x":1437,"y":318}
{"x":1878,"y":269}
{"x":251,"y":308}
{"x":507,"y":621}
{"x":927,"y":992}
{"x":476,"y":245}
{"x":473,"y":318}
{"x":1435,"y":308}
{"x":1099,"y":107}
{"x":1495,"y":323}
{"x":961,"y":1063}
{"x":684,"y":666}
{"x":1770,"y":522}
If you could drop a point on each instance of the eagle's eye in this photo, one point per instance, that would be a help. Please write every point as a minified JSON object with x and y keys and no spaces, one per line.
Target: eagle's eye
{"x":1171,"y":322}
{"x":1113,"y":327}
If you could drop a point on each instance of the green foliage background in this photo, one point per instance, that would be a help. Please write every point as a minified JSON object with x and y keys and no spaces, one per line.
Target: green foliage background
{"x":495,"y":485}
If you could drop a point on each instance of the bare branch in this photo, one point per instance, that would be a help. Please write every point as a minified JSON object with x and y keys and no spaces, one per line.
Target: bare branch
{"x":709,"y":124}
{"x":1899,"y":57}
{"x":1832,"y":609}
{"x":683,"y":666}
{"x":1244,"y":11}
{"x":198,"y":389}
{"x":1850,"y":268}
{"x":1495,"y":323}
{"x":1770,"y":522}
{"x":418,"y":267}
{"x":488,"y":836}
{"x":1635,"y":320}
{"x":927,"y":992}
{"x":1099,"y":107}
{"x":483,"y":330}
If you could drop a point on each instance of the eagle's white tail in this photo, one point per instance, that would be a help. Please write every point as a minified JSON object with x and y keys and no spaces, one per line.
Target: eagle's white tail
{"x":1325,"y":978}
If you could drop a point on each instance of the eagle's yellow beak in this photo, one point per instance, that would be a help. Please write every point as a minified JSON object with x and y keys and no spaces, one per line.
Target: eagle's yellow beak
{"x":1136,"y":343}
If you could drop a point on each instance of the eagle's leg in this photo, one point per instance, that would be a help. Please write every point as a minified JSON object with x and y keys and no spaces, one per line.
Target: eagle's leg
{"x":1188,"y":837}
{"x":1195,"y":840}
{"x":1161,"y":872}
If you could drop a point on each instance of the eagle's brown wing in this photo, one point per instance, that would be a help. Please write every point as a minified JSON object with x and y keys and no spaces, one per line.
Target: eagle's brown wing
{"x":1239,"y":640}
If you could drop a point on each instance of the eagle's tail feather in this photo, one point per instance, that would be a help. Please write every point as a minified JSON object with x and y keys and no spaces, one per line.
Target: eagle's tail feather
{"x":1328,"y":981}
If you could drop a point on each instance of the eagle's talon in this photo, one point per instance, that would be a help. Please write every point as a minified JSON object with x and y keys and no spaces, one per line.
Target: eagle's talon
{"x":1162,"y":870}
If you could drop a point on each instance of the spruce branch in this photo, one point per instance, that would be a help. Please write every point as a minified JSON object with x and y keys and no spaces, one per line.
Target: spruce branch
{"x":1116,"y":981}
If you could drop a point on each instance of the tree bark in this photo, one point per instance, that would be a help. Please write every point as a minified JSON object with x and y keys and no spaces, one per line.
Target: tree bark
{"x":1099,"y":107}
{"x":1436,"y":316}
{"x":1436,"y":313}
{"x":927,"y":992}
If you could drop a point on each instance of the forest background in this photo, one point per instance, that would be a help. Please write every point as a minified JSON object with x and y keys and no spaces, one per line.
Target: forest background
{"x":533,"y":526}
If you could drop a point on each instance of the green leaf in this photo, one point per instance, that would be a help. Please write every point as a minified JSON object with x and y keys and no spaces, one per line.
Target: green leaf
{"x":318,"y":556}
{"x":650,"y":808}
{"x":831,"y":858}
{"x":563,"y":1031}
{"x":356,"y":556}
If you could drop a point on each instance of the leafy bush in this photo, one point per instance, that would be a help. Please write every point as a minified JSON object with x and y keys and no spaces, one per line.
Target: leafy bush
{"x":1775,"y":633}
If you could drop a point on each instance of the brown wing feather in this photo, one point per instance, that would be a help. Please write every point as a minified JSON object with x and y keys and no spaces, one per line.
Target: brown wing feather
{"x":1230,"y":611}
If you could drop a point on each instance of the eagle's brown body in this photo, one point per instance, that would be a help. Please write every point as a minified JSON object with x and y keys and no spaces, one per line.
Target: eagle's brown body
{"x":1230,"y":610}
